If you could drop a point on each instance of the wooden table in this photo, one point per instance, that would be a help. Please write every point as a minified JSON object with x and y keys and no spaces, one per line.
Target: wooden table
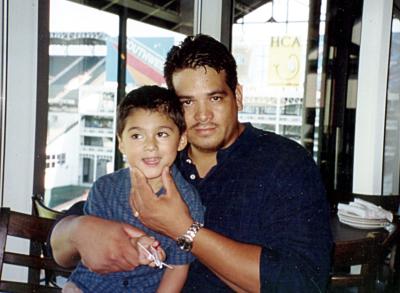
{"x":343,"y":233}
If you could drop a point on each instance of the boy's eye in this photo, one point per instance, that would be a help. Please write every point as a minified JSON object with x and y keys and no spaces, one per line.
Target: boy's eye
{"x":136,"y":136}
{"x":162,"y":134}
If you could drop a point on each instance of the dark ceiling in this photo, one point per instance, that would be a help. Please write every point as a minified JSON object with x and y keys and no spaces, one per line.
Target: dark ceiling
{"x":175,"y":15}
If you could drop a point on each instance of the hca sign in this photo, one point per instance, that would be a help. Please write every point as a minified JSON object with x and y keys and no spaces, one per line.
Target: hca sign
{"x":284,"y":61}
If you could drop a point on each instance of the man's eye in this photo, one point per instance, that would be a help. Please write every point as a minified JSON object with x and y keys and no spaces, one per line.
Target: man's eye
{"x":216,"y":98}
{"x":162,"y":134}
{"x":186,"y":102}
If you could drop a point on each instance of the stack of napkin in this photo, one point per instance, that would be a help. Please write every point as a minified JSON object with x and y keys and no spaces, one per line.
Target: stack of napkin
{"x":363,"y":214}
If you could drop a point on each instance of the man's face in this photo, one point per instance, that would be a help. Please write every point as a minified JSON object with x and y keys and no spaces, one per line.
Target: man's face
{"x":210,"y":108}
{"x":150,"y":141}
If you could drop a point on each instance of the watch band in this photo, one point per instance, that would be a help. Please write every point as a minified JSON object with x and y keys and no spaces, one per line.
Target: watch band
{"x":185,"y":241}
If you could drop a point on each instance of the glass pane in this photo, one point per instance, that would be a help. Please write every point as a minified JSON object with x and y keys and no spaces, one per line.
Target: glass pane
{"x":391,"y":170}
{"x":82,"y":99}
{"x":270,"y":45}
{"x":147,"y":47}
{"x":83,"y":83}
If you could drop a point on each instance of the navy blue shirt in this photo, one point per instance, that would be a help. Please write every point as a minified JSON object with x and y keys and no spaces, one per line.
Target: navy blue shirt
{"x":266,"y":190}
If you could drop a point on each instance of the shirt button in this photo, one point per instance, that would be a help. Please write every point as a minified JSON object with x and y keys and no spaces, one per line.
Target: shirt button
{"x":189,"y":161}
{"x":125,"y":282}
{"x":192,"y":176}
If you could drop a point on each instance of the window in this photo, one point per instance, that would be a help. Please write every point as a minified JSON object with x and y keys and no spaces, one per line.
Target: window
{"x":391,"y":164}
{"x":269,"y":45}
{"x":81,"y":96}
{"x":84,"y":72}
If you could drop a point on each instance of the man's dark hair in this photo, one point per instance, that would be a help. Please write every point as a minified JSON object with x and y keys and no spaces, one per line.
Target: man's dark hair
{"x":152,"y":98}
{"x":200,"y":51}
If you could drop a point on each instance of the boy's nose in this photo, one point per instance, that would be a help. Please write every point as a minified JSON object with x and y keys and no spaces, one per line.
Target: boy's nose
{"x":150,"y":145}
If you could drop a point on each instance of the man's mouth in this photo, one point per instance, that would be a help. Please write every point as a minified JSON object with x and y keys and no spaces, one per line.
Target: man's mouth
{"x":204,"y":129}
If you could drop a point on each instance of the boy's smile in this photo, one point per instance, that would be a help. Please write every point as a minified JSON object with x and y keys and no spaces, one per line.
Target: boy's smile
{"x":150,"y":141}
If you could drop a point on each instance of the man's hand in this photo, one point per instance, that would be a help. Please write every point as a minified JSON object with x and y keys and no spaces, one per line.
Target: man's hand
{"x":103,"y":246}
{"x":168,"y":213}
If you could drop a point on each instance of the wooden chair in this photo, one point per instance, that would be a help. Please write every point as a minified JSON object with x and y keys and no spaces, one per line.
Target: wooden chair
{"x":35,"y":229}
{"x":364,"y":252}
{"x":41,"y":210}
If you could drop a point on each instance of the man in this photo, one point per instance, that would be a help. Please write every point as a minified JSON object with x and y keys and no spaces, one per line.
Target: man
{"x":266,"y":222}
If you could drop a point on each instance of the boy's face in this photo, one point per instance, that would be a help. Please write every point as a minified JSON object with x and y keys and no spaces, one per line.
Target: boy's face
{"x":150,"y":141}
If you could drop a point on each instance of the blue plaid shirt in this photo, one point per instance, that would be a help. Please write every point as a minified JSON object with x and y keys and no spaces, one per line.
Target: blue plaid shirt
{"x":109,"y":199}
{"x":266,"y":190}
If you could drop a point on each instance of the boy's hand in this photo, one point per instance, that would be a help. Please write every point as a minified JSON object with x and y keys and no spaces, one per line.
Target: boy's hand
{"x":145,"y":245}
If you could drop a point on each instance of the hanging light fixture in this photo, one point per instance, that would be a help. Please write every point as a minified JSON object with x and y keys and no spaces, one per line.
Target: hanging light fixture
{"x":272,"y":19}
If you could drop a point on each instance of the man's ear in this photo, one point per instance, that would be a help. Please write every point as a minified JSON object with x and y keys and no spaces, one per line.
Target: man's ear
{"x":239,"y":97}
{"x":182,"y":141}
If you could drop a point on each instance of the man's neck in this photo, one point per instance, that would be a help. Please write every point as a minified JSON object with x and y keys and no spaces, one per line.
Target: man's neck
{"x":203,"y":161}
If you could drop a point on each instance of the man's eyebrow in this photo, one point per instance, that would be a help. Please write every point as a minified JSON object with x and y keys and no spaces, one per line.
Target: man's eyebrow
{"x":217,"y":92}
{"x":212,"y":93}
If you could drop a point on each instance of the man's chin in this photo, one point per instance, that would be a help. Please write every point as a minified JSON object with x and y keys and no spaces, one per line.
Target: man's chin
{"x":206,"y":147}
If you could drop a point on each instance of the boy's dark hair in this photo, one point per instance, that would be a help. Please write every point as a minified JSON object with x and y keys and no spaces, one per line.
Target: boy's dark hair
{"x":152,"y":98}
{"x":200,"y":51}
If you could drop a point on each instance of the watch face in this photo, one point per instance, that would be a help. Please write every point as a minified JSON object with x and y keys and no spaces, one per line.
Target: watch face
{"x":184,"y":243}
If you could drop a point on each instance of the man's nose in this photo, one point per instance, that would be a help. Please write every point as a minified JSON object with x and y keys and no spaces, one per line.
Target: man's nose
{"x":203,"y":113}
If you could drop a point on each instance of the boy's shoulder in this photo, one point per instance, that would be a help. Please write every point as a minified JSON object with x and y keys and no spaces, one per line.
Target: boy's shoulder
{"x":115,"y":178}
{"x":179,"y":180}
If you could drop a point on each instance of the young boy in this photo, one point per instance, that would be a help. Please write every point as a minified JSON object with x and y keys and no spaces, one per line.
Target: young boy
{"x":150,"y":130}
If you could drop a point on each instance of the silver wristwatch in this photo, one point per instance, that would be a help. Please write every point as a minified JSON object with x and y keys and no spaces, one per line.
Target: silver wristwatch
{"x":185,"y":242}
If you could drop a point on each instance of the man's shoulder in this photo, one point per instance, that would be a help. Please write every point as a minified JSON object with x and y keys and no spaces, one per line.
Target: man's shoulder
{"x":277,"y":145}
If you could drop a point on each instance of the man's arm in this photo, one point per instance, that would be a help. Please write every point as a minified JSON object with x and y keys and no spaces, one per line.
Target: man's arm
{"x":103,"y":246}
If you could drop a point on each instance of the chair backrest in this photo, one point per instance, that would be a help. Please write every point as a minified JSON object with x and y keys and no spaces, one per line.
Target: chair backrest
{"x":388,"y":202}
{"x":36,"y":230}
{"x":367,"y":253}
{"x":41,"y":210}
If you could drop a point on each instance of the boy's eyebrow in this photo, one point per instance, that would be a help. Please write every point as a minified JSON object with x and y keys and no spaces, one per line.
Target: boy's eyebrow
{"x":141,"y":128}
{"x":134,"y":128}
{"x":165,"y":126}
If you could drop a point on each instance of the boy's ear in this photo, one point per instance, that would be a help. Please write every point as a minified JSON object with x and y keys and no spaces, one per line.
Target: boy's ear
{"x":121,"y":145}
{"x":182,"y":141}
